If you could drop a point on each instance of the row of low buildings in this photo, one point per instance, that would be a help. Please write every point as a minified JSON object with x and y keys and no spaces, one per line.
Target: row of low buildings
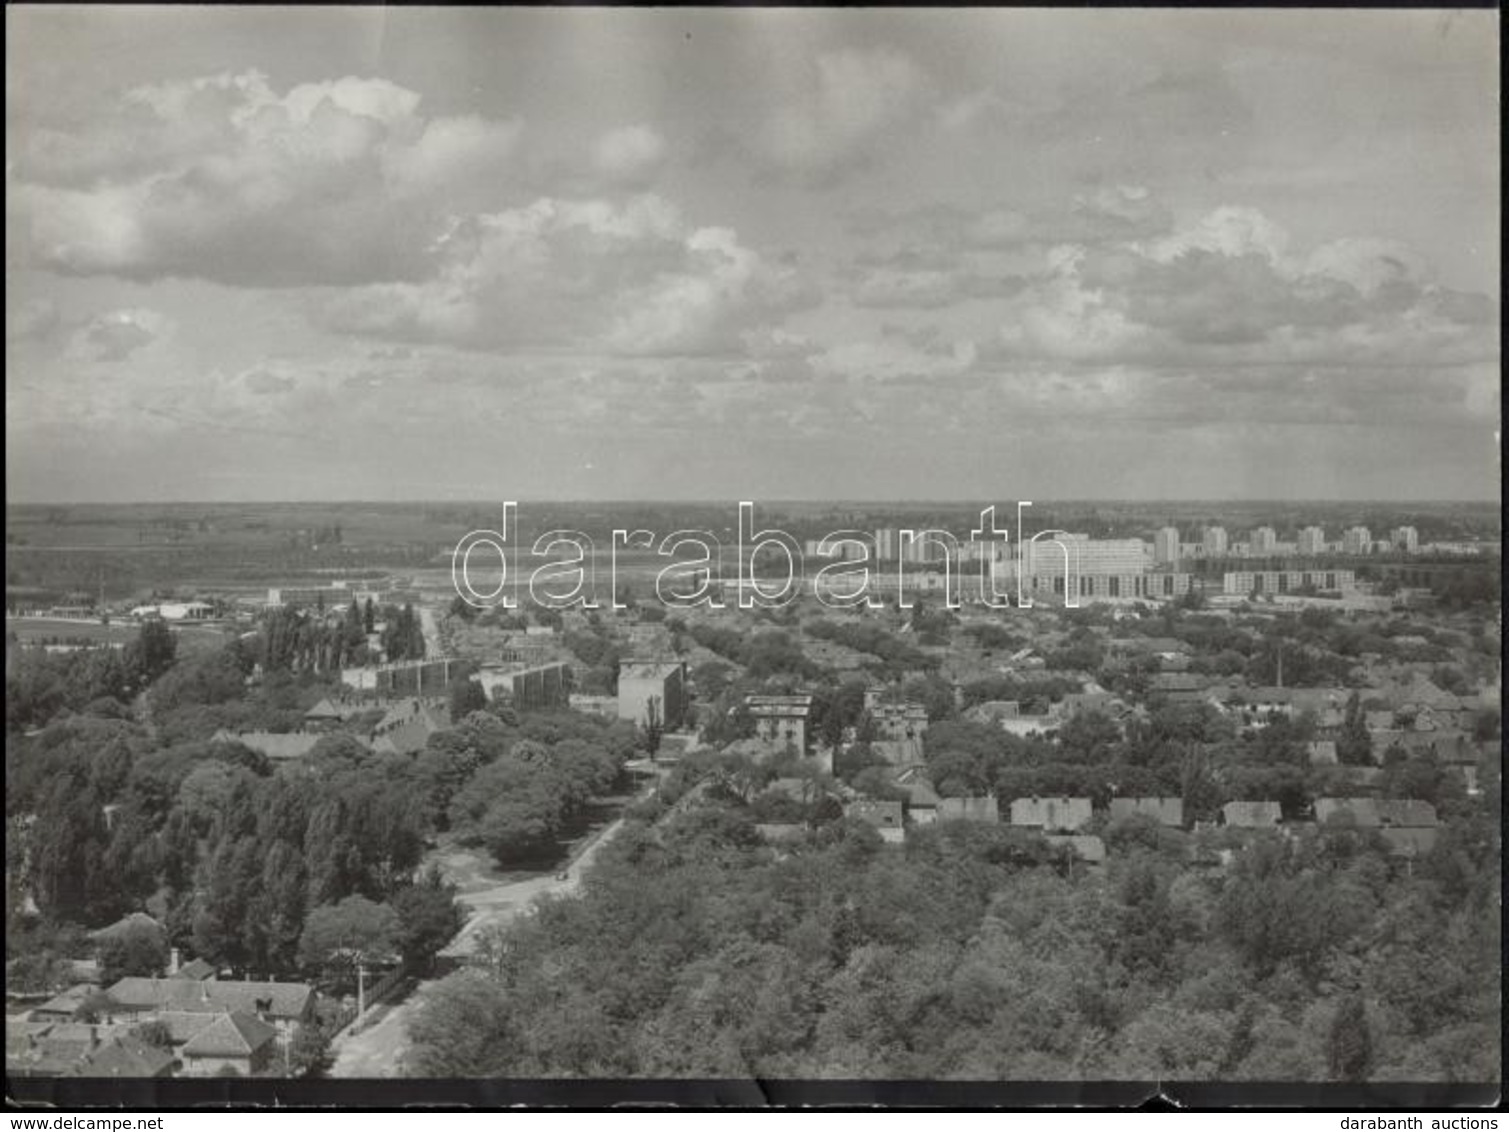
{"x":1408,"y":827}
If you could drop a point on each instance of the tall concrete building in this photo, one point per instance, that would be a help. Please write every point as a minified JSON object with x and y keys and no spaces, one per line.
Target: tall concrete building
{"x":1263,"y":542}
{"x":1357,"y":540}
{"x":885,"y":544}
{"x":640,"y":681}
{"x":1166,"y":545}
{"x":1312,"y":541}
{"x":1406,"y":539}
{"x":1213,"y":542}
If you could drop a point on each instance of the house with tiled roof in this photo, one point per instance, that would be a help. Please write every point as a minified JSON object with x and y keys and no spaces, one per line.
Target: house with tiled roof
{"x":277,"y":746}
{"x":65,"y":1006}
{"x":1165,"y":811}
{"x":982,"y":808}
{"x":282,"y":1005}
{"x":922,"y":803}
{"x":196,"y":969}
{"x":1053,"y":814}
{"x":1251,"y":815}
{"x":884,"y":817}
{"x":1408,"y":825}
{"x":127,"y":1057}
{"x":236,"y":1040}
{"x":325,"y":715}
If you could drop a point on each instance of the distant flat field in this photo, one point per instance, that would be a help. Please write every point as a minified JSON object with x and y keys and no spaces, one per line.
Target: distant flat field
{"x":45,"y":628}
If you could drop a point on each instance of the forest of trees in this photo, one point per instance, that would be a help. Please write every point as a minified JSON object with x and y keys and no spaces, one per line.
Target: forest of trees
{"x":267,"y":871}
{"x":977,"y":952}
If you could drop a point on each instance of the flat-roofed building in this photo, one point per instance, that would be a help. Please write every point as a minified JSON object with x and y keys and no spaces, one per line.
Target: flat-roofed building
{"x":641,"y":682}
{"x":1312,"y":542}
{"x":780,"y":720}
{"x":1357,"y":540}
{"x":1166,"y":545}
{"x":1287,"y":581}
{"x":1406,"y":539}
{"x":1262,"y":542}
{"x":535,"y":688}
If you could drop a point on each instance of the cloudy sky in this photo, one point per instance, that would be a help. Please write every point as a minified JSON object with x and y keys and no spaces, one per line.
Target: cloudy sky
{"x":385,"y":254}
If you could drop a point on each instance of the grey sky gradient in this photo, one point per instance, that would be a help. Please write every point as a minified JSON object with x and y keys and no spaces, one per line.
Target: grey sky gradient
{"x":378,"y":253}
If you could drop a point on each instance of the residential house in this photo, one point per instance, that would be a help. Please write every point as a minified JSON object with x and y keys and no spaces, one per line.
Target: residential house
{"x":282,"y":1005}
{"x":278,"y":747}
{"x":127,"y":1057}
{"x":1251,"y":815}
{"x":1087,"y":848}
{"x":324,"y":716}
{"x":884,"y":816}
{"x":408,"y":725}
{"x":984,"y":808}
{"x":922,"y":802}
{"x":776,"y":833}
{"x":1007,"y":715}
{"x":233,"y":1041}
{"x":197,"y":970}
{"x":780,"y":721}
{"x":64,"y":1007}
{"x":1055,"y":814}
{"x":1075,"y":702}
{"x":898,"y":721}
{"x":1321,"y":752}
{"x":1408,"y":825}
{"x":1165,"y":811}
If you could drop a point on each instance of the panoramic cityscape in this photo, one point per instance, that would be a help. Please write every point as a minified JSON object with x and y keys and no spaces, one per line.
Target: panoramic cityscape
{"x":752,"y":545}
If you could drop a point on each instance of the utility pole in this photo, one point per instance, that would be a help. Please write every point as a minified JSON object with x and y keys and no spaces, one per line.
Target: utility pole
{"x":361,"y":990}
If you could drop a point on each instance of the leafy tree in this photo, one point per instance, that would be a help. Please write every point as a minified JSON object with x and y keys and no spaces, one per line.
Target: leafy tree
{"x":1354,"y":746}
{"x":653,"y":725}
{"x":135,"y":949}
{"x":429,"y":917}
{"x":1349,"y":1049}
{"x":309,"y":1052}
{"x":338,"y":937}
{"x":151,"y":653}
{"x":467,"y":696}
{"x":466,"y":1027}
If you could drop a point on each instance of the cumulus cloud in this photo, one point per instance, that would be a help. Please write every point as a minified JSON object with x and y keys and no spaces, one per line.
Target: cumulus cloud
{"x":225,"y":178}
{"x":851,"y":99}
{"x":1228,"y":288}
{"x":116,"y":335}
{"x":589,"y":275}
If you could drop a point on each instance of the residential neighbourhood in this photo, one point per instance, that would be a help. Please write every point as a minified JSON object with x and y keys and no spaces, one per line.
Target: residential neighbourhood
{"x":753,"y":557}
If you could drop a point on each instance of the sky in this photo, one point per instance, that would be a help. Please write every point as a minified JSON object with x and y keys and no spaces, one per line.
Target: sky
{"x":377,"y":253}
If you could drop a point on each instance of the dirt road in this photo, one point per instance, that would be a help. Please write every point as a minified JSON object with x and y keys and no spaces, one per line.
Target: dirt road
{"x":378,"y":1050}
